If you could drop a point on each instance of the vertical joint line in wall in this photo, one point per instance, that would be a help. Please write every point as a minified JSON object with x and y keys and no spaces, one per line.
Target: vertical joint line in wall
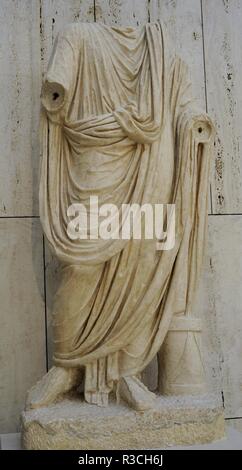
{"x":41,"y":35}
{"x":46,"y":330}
{"x":40,"y":18}
{"x":222,"y":395}
{"x":204,"y":59}
{"x":148,"y":4}
{"x":94,"y":11}
{"x":205,"y":89}
{"x":211,"y":199}
{"x":52,"y":30}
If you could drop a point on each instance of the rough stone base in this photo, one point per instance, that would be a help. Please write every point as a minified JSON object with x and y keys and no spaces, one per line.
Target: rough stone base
{"x":73,"y":424}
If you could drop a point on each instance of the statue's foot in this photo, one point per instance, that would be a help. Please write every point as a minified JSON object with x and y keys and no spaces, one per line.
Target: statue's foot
{"x":97,"y":398}
{"x":135,"y":393}
{"x":55,"y":383}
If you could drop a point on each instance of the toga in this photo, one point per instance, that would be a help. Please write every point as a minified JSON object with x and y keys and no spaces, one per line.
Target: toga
{"x":119,"y":122}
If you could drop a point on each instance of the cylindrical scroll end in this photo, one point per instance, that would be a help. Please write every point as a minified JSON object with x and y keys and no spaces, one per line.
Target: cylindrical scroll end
{"x":203,"y":130}
{"x":53,"y":96}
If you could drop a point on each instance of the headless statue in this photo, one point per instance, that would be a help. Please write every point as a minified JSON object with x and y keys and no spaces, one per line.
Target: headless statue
{"x":119,"y":123}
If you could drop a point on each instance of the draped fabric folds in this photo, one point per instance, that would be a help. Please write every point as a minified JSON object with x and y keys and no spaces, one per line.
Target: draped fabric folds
{"x":119,"y":122}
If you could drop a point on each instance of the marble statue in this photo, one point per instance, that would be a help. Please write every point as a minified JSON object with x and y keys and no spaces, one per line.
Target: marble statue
{"x":119,"y":122}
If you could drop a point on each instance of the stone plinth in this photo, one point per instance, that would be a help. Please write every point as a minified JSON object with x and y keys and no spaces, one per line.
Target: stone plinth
{"x":72,"y":424}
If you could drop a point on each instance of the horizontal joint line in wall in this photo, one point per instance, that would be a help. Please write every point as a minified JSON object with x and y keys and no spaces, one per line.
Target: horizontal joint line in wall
{"x":238,"y":213}
{"x":19,"y":217}
{"x":235,"y":417}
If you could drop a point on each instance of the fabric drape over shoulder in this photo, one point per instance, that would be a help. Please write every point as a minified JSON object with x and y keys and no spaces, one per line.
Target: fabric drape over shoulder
{"x":119,"y":122}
